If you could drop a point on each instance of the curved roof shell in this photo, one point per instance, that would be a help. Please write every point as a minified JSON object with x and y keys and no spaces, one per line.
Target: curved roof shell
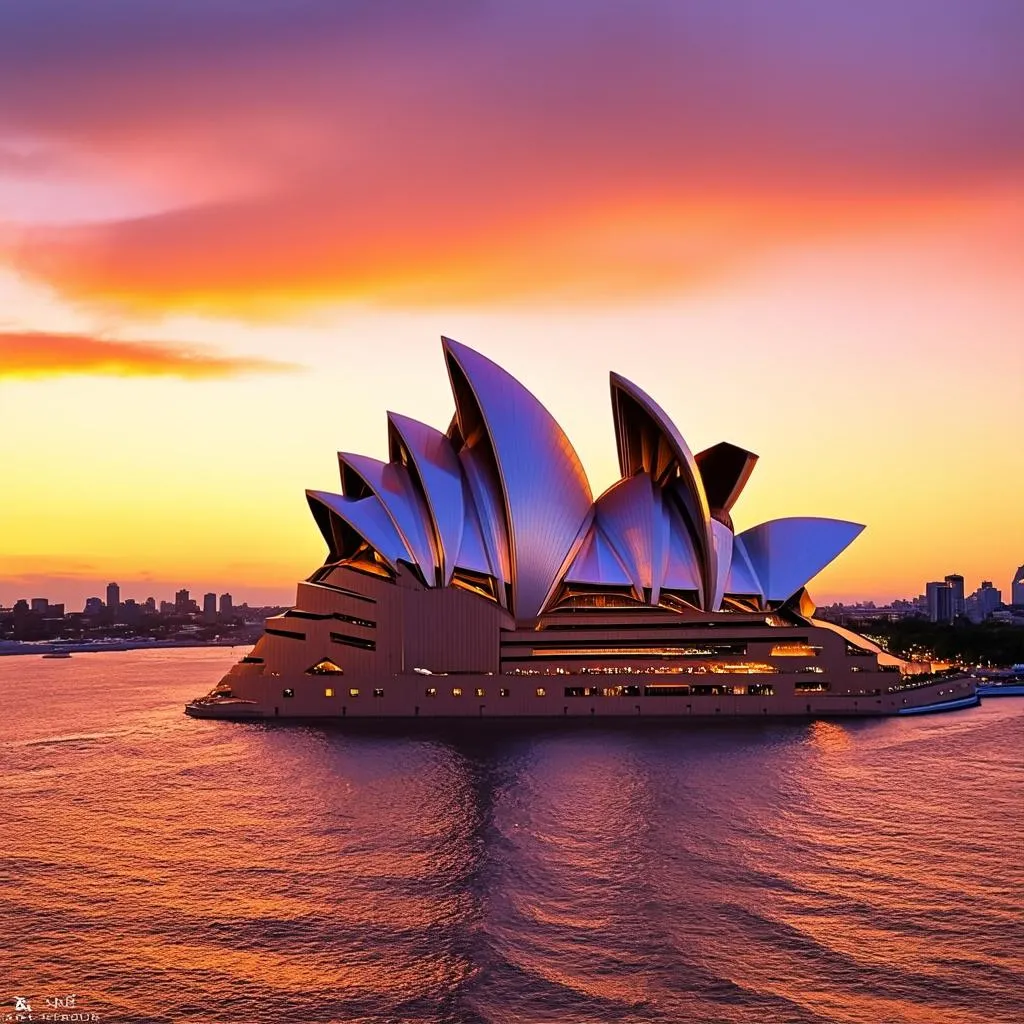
{"x":544,"y":489}
{"x":503,"y":494}
{"x":648,"y":441}
{"x":368,"y":518}
{"x":724,"y":470}
{"x":392,"y":484}
{"x":435,"y":468}
{"x":786,"y":553}
{"x":596,"y":562}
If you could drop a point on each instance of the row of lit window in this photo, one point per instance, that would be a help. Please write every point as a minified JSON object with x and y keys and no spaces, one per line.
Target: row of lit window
{"x":720,"y":668}
{"x":661,"y":690}
{"x":431,"y":691}
{"x":329,"y":691}
{"x":458,"y":691}
{"x":757,"y":690}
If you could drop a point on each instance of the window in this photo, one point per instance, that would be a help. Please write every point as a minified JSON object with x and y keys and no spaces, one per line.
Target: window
{"x":250,"y":660}
{"x":354,"y":641}
{"x":456,"y":691}
{"x":378,"y":692}
{"x":324,"y":667}
{"x":479,"y":692}
{"x":431,"y":691}
{"x":504,"y":693}
{"x":288,"y":634}
{"x":475,"y":583}
{"x":329,"y":692}
{"x":353,"y":692}
{"x":761,"y":690}
{"x":288,"y":693}
{"x":313,"y":616}
{"x":541,"y":692}
{"x":811,"y":687}
{"x":666,"y":691}
{"x":794,"y":649}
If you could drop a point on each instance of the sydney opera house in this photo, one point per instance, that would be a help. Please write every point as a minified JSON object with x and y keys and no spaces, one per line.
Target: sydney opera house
{"x":474,"y":575}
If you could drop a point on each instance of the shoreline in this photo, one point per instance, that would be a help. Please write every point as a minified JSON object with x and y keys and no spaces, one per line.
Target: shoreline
{"x":15,"y":648}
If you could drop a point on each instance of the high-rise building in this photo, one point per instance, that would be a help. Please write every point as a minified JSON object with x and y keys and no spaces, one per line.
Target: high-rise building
{"x":940,"y":601}
{"x":209,"y":607}
{"x":1017,"y":588}
{"x":983,"y":602}
{"x":40,"y":605}
{"x":149,"y":606}
{"x":956,"y":584}
{"x":226,"y":606}
{"x":93,"y":606}
{"x":182,"y":603}
{"x":166,"y":608}
{"x":113,"y":601}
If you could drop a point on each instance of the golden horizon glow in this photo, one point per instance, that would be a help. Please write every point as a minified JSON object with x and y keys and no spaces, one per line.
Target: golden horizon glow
{"x":828,"y":276}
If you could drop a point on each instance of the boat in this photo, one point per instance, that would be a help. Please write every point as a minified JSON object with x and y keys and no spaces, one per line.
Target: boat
{"x":1001,"y":682}
{"x":57,"y":654}
{"x":473,"y":576}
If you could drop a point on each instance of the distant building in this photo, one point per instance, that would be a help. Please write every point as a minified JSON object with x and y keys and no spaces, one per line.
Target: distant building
{"x":167,"y":608}
{"x":113,"y":601}
{"x":55,"y":611}
{"x":149,"y":606}
{"x":1017,"y":588}
{"x":939,"y":597}
{"x":956,"y":584}
{"x":93,"y":606}
{"x":182,"y":602}
{"x":131,"y":612}
{"x":209,"y":607}
{"x":226,"y":606}
{"x":40,"y":605}
{"x":986,"y":600}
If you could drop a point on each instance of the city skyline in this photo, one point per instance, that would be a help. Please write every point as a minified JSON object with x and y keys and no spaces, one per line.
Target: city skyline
{"x":209,"y":266}
{"x":92,"y":590}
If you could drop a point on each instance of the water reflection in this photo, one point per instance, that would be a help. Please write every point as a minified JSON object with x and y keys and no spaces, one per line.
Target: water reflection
{"x":803,"y":872}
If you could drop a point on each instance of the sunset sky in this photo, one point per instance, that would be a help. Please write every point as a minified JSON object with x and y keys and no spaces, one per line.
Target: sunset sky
{"x":232,"y":233}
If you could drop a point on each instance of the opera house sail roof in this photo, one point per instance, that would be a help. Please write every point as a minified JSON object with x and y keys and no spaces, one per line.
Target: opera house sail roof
{"x":499,"y":504}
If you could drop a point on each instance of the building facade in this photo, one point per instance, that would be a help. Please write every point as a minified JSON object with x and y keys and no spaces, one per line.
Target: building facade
{"x":1017,"y":588}
{"x":474,"y":574}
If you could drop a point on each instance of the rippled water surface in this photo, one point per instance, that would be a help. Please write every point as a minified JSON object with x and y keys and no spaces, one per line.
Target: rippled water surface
{"x":164,"y":869}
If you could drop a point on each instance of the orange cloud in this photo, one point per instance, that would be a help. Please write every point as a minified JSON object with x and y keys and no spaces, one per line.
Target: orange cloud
{"x":35,"y":354}
{"x":596,"y":151}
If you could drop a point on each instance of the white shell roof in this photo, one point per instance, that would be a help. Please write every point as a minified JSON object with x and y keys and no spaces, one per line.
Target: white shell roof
{"x":742,"y":578}
{"x":682,"y":569}
{"x":482,"y":495}
{"x":472,"y":553}
{"x":504,"y":494}
{"x":545,"y":490}
{"x":723,"y":541}
{"x":368,"y":517}
{"x":633,"y":458}
{"x":597,"y":563}
{"x":787,"y":553}
{"x":632,"y":520}
{"x":391,"y":482}
{"x":440,"y":475}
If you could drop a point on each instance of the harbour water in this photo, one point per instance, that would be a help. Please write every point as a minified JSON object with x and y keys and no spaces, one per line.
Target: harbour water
{"x":161,"y":869}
